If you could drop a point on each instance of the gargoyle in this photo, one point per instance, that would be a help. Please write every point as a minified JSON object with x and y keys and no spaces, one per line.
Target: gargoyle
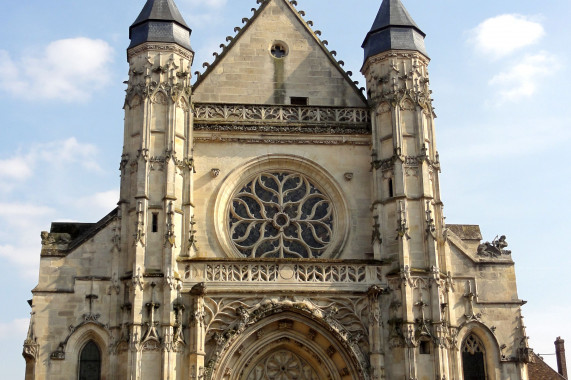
{"x":494,"y":249}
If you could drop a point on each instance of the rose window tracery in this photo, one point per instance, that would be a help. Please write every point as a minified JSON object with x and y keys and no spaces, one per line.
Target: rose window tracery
{"x":281,"y":215}
{"x":283,"y":365}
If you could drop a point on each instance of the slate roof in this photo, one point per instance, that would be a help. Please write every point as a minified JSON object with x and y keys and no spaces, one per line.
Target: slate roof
{"x":466,"y":231}
{"x":160,"y":21}
{"x":393,"y":29}
{"x":539,"y":370}
{"x":82,"y":232}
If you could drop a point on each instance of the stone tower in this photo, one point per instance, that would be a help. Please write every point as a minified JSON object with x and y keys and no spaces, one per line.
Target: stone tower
{"x":406,"y":196}
{"x":276,"y":221}
{"x":156,"y":190}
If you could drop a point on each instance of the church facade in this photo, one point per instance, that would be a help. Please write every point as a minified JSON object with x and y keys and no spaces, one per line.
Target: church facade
{"x":276,"y":222}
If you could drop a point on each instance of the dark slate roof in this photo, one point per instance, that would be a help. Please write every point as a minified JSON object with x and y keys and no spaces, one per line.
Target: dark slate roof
{"x":160,"y":21}
{"x":393,"y":29}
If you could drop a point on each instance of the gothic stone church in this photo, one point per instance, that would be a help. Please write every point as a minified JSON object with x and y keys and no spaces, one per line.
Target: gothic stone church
{"x":276,"y":222}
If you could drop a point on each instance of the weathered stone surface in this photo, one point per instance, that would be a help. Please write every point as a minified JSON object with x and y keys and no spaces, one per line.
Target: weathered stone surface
{"x":253,"y":234}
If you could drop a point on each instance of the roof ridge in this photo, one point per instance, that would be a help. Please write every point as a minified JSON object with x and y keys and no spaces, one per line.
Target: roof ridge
{"x":309,"y":27}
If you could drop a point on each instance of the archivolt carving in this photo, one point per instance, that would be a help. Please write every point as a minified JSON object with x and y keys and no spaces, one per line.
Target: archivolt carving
{"x":227,"y":316}
{"x":345,"y":318}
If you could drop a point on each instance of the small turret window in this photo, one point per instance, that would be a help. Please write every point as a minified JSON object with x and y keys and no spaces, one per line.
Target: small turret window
{"x":424,"y":347}
{"x":155,"y":222}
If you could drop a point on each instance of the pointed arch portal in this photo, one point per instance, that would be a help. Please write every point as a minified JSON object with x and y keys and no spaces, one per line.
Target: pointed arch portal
{"x":287,"y":346}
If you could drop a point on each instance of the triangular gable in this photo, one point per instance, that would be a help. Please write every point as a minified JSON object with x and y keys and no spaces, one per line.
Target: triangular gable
{"x":246,"y":72}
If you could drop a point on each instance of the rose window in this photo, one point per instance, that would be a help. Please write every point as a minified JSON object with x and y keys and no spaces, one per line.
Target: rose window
{"x":281,"y":215}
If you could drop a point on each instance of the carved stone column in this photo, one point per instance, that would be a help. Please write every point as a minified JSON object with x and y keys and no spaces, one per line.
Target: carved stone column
{"x":197,"y":331}
{"x":376,"y":339}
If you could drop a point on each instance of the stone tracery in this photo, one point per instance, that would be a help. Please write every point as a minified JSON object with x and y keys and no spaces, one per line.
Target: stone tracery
{"x":281,"y":214}
{"x":282,"y":365}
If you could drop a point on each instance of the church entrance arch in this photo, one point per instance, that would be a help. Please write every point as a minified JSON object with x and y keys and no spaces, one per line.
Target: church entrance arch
{"x":288,"y":345}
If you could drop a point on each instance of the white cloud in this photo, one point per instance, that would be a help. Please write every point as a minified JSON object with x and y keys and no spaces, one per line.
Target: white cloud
{"x":216,"y":4}
{"x":68,"y":69}
{"x":22,"y":210}
{"x":523,"y":78}
{"x":16,"y":168}
{"x":25,"y":257}
{"x":99,"y":203}
{"x":68,"y":151}
{"x":14,"y":329}
{"x":502,"y":35}
{"x":21,"y":165}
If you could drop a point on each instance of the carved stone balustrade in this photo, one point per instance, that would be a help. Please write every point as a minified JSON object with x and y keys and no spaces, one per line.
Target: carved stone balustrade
{"x":272,"y":118}
{"x":280,"y":273}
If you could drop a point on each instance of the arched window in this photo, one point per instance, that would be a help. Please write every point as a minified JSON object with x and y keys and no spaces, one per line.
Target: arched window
{"x":90,"y":362}
{"x":473,"y":359}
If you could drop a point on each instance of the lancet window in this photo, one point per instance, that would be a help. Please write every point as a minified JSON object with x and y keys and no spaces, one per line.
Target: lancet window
{"x":473,"y":359}
{"x":90,"y":362}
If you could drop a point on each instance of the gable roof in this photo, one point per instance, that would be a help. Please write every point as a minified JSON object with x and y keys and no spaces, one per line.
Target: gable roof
{"x":240,"y":31}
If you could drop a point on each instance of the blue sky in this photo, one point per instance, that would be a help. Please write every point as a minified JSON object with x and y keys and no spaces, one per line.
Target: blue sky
{"x":500,"y":76}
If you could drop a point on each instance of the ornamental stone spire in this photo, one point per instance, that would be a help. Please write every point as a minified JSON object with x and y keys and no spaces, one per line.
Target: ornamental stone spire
{"x":393,"y":29}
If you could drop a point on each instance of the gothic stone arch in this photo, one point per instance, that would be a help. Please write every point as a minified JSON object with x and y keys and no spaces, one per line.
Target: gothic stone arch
{"x":77,"y":340}
{"x":289,"y":342}
{"x":492,"y":354}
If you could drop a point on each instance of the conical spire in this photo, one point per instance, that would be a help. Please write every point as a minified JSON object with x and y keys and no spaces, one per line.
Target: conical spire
{"x":393,"y":29}
{"x":160,"y":21}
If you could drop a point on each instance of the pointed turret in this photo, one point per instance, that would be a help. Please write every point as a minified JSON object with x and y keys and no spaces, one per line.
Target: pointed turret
{"x":160,"y":21}
{"x":393,"y":29}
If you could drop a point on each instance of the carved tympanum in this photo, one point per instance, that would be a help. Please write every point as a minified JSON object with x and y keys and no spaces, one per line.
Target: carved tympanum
{"x":282,"y":365}
{"x":281,"y":214}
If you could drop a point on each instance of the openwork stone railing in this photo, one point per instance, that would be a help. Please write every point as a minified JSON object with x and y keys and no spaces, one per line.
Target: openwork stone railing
{"x":297,"y":115}
{"x":315,"y":273}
